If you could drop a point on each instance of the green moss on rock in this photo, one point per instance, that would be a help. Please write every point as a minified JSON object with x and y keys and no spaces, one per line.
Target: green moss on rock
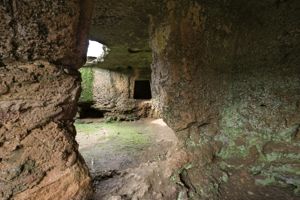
{"x":87,"y":76}
{"x":277,"y":164}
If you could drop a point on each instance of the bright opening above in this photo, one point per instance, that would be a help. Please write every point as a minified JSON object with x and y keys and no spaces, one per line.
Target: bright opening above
{"x":95,"y":49}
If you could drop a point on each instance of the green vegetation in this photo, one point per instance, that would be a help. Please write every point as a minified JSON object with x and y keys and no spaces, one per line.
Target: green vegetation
{"x":87,"y":77}
{"x":126,"y":134}
{"x":122,"y":134}
{"x":88,"y":128}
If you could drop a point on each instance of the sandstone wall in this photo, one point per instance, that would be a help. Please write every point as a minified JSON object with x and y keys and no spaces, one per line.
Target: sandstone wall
{"x":42,"y":43}
{"x":113,"y":93}
{"x":226,"y":74}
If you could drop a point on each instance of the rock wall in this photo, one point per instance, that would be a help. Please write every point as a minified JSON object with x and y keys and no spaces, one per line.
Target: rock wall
{"x":123,"y":27}
{"x":111,"y":90}
{"x":42,"y":43}
{"x":226,"y":75}
{"x":112,"y":93}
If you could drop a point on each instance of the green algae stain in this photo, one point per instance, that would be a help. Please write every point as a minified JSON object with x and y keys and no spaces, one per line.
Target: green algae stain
{"x":233,"y":151}
{"x":280,"y":178}
{"x":87,"y":76}
{"x":270,"y":157}
{"x":270,"y":169}
{"x":175,"y":176}
{"x":267,"y":181}
{"x":234,"y":126}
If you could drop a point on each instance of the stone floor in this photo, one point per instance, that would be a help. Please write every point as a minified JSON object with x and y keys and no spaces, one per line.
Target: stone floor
{"x":119,"y":153}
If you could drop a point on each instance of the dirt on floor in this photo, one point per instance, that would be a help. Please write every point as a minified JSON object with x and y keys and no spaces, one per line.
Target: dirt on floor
{"x":130,"y":160}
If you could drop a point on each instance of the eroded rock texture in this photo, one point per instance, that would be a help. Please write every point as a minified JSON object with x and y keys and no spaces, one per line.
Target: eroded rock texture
{"x":44,"y":30}
{"x":39,"y":158}
{"x":227,"y":78}
{"x":111,"y":94}
{"x":41,"y":44}
{"x":124,"y":27}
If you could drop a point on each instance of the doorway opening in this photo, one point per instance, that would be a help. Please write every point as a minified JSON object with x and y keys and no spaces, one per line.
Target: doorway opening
{"x":142,"y":90}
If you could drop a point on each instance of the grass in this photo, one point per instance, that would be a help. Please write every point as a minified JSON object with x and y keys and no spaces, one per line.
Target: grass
{"x":125,"y":135}
{"x":88,"y":128}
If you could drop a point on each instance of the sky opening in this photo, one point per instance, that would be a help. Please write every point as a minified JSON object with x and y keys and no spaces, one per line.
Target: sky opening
{"x":95,"y":49}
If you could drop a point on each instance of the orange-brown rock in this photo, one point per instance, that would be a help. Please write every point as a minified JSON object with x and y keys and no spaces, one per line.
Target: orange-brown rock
{"x":42,"y":42}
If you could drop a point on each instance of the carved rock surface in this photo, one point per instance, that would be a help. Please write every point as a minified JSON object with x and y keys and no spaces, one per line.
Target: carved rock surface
{"x":42,"y":42}
{"x":110,"y":94}
{"x":124,"y":27}
{"x":50,"y":30}
{"x":226,"y":75}
{"x":39,"y":157}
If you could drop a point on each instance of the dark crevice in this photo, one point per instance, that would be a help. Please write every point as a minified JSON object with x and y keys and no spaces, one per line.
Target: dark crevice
{"x":106,"y":175}
{"x":87,"y":111}
{"x":185,"y":180}
{"x":43,"y":30}
{"x":13,"y":24}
